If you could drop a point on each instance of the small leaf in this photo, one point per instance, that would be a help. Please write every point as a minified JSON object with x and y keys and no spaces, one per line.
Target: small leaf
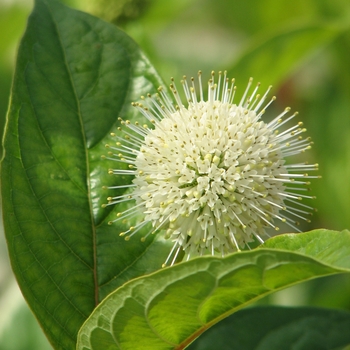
{"x":276,"y":328}
{"x":75,"y":75}
{"x":170,"y":308}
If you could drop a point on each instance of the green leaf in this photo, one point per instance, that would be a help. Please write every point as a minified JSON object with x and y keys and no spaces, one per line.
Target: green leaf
{"x":170,"y":308}
{"x":272,"y":57}
{"x":75,"y":75}
{"x":276,"y":328}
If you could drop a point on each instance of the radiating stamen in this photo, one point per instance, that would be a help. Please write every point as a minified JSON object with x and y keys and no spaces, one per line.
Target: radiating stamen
{"x":210,"y":173}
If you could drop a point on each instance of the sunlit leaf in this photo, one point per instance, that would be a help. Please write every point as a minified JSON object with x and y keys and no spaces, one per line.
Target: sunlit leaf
{"x":170,"y":308}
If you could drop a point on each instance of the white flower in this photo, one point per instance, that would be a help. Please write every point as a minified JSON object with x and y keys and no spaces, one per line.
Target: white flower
{"x":211,"y":174}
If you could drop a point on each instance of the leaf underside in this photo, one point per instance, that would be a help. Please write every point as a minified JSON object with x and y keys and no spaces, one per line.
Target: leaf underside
{"x":170,"y":308}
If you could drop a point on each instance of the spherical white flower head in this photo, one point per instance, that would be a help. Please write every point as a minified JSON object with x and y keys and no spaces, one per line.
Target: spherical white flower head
{"x":211,"y":174}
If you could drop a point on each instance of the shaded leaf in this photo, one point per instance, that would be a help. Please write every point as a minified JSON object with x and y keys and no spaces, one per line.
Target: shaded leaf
{"x":170,"y":308}
{"x":276,"y":328}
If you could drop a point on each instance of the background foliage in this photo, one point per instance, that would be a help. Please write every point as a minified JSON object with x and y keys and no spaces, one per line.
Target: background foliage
{"x":301,"y":46}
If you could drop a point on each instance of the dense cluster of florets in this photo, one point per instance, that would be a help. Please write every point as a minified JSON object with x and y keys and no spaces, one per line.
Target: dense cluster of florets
{"x":210,"y":173}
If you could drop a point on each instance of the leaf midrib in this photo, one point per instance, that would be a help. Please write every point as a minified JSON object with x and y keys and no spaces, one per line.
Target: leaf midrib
{"x":79,"y":114}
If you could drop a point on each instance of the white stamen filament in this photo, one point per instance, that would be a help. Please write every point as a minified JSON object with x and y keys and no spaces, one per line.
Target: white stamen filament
{"x":211,"y":174}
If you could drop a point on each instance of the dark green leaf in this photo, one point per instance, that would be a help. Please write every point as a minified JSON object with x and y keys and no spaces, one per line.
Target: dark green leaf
{"x":170,"y":308}
{"x":75,"y":75}
{"x":276,"y":328}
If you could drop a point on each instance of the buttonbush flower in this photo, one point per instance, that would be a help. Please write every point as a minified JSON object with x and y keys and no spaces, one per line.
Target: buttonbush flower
{"x":208,"y":172}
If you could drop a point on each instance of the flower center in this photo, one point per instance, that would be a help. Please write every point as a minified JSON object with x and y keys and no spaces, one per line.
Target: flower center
{"x":210,"y":170}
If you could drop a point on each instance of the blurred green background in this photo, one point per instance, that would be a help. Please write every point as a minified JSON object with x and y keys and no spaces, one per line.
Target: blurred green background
{"x":301,"y":47}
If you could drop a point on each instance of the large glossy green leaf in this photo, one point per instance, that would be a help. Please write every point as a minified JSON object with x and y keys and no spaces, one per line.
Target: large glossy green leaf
{"x":170,"y":308}
{"x":276,"y":328}
{"x":75,"y":75}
